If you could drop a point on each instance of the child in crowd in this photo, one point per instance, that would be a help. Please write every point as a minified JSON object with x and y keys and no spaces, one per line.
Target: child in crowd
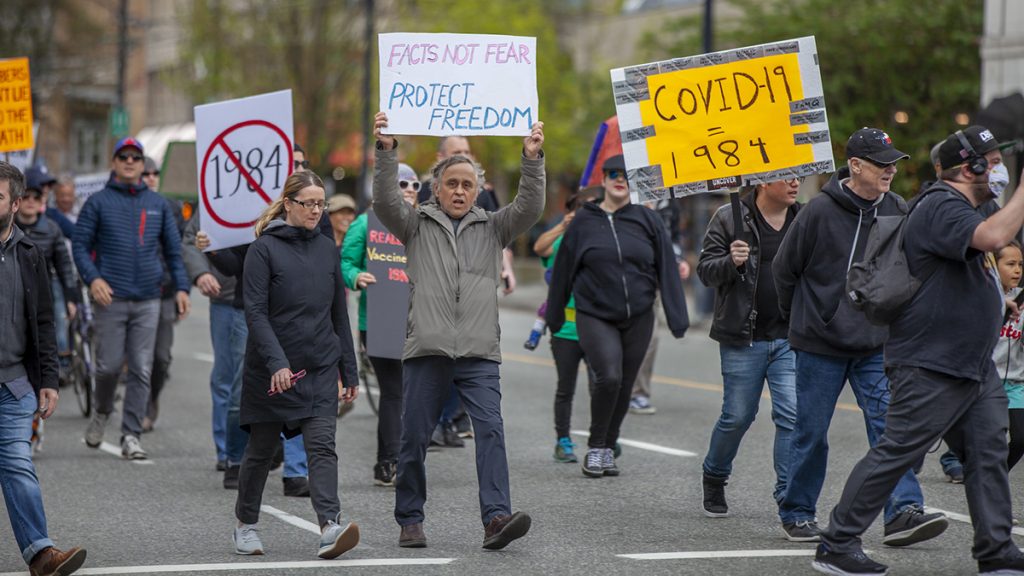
{"x":1009,"y":351}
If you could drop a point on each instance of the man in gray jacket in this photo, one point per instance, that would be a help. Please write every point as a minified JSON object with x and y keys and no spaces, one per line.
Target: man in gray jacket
{"x":454,"y":266}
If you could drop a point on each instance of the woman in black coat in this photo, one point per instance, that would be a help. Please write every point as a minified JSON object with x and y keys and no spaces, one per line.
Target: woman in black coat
{"x":299,"y":360}
{"x":614,"y":258}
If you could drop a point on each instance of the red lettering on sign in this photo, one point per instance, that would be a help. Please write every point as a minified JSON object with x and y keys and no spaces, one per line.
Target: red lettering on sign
{"x":397,"y":275}
{"x":379,"y":237}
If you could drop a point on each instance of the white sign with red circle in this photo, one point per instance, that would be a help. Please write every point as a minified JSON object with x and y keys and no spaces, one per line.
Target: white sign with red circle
{"x":244,"y":155}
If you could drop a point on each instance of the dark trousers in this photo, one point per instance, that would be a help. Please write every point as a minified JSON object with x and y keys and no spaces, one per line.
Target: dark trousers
{"x":264,"y":438}
{"x":389,"y":405}
{"x":567,"y":354}
{"x":162,"y":354}
{"x":427,"y":380}
{"x":614,"y":351}
{"x":925,"y":407}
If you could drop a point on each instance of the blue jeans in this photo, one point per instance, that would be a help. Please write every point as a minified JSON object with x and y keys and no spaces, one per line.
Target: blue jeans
{"x":227,"y":333}
{"x":819,"y":380}
{"x":18,"y":476}
{"x":235,"y":438}
{"x":295,"y":465}
{"x":60,"y":316}
{"x":744,"y":371}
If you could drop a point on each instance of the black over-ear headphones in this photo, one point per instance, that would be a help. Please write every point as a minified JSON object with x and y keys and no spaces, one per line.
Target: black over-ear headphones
{"x":976,"y":163}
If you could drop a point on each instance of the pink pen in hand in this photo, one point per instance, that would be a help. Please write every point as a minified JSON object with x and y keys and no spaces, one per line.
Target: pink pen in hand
{"x":295,"y":378}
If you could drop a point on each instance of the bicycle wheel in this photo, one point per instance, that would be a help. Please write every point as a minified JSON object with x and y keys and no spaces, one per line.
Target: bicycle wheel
{"x":80,"y":374}
{"x":369,"y":379}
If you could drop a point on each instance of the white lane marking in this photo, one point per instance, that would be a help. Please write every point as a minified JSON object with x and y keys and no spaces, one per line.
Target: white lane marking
{"x":262,"y":566}
{"x":203,"y":357}
{"x":967,"y":519}
{"x":717,"y":554}
{"x":115,"y":451}
{"x":643,"y":445}
{"x":291,"y":519}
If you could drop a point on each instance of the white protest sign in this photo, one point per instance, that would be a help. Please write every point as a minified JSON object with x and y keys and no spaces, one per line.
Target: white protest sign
{"x":243,"y":155}
{"x":458,"y":84}
{"x":88,"y":184}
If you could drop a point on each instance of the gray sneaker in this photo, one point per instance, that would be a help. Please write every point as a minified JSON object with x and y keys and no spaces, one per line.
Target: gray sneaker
{"x":608,"y":463}
{"x":247,"y":541}
{"x":94,"y":433}
{"x":337,"y":539}
{"x":131,"y":449}
{"x":802,"y":531}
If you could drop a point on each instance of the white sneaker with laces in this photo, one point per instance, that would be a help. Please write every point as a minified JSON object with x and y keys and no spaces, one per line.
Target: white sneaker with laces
{"x":131,"y":449}
{"x":247,"y":541}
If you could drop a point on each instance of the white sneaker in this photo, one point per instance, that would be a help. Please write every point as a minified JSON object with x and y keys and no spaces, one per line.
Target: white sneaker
{"x":247,"y":541}
{"x":131,"y":449}
{"x":337,"y":539}
{"x":94,"y":433}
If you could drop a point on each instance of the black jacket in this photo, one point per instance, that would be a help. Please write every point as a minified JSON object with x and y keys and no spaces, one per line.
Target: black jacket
{"x":735,"y":294}
{"x":827,"y":236}
{"x":41,"y":351}
{"x":614,"y":264}
{"x":231,"y":262}
{"x":46,"y":235}
{"x":297,"y":316}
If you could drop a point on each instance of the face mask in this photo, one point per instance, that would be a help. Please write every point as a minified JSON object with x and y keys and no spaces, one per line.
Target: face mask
{"x":998,"y":179}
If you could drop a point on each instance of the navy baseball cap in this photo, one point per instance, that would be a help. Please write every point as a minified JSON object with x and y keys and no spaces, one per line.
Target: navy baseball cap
{"x":952,"y":152}
{"x":874,"y":145}
{"x":127,"y":142}
{"x":36,"y":177}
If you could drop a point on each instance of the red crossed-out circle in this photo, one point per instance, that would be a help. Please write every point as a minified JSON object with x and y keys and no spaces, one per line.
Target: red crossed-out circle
{"x":219,"y":142}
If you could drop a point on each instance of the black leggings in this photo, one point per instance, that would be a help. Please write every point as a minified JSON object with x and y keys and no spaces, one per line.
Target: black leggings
{"x":614,"y":352}
{"x":389,"y":405}
{"x":1016,"y":437}
{"x":567,"y":355}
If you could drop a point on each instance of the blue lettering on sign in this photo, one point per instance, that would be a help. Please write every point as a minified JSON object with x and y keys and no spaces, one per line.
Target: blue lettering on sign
{"x":479,"y":118}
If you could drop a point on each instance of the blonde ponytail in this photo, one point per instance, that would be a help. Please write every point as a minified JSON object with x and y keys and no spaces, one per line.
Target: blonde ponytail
{"x":295,"y":183}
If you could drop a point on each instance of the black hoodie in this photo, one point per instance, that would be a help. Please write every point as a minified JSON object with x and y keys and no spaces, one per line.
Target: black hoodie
{"x":614,"y":264}
{"x":827,"y":236}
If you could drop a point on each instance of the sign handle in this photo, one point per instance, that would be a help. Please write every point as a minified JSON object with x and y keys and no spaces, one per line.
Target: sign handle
{"x":737,"y":225}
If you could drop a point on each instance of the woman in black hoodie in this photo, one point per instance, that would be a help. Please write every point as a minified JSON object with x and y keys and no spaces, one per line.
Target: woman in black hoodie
{"x":299,"y":351}
{"x":614,"y":257}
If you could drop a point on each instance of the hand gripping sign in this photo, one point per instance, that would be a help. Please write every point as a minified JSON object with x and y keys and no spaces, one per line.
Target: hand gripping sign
{"x":458,"y":84}
{"x":721,"y":120}
{"x":243,"y":155}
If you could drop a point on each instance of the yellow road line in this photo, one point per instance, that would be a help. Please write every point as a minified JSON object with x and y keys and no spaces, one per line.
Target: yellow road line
{"x":679,"y":382}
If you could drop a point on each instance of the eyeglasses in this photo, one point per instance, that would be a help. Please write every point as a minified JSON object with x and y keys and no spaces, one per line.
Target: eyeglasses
{"x":302,"y":164}
{"x":310,"y":204}
{"x":616,"y":174}
{"x":129,"y":157}
{"x":403,"y":184}
{"x":148,"y":174}
{"x":878,"y":165}
{"x":798,"y":181}
{"x":34,"y":194}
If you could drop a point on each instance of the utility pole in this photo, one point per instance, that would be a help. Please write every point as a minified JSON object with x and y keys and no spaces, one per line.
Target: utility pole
{"x":122,"y":49}
{"x":361,"y":198}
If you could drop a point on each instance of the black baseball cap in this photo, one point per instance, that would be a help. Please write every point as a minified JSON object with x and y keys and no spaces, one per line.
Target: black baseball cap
{"x":617,"y":162}
{"x":874,"y":145}
{"x":953,"y":153}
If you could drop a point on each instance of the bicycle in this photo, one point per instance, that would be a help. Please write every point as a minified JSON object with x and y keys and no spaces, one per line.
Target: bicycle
{"x":82,"y":372}
{"x":368,"y":378}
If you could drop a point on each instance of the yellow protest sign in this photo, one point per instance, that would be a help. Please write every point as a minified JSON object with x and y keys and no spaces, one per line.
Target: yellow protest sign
{"x":15,"y":106}
{"x":698,"y":124}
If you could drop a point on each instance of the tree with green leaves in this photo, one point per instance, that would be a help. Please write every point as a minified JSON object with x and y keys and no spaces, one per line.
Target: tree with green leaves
{"x":878,"y":58}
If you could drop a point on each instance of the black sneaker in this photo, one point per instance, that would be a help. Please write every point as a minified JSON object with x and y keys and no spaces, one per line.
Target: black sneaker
{"x":802,"y":531}
{"x":464,"y":426}
{"x":451,"y":437}
{"x":231,"y":477}
{"x":913,"y":525}
{"x":840,"y":564}
{"x":1014,"y":567}
{"x":713,"y":490}
{"x":384,"y":473}
{"x":297,"y":487}
{"x":593,"y":464}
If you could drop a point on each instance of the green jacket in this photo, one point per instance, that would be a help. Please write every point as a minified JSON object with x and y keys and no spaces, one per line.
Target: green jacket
{"x":353,"y":261}
{"x":454,"y":278}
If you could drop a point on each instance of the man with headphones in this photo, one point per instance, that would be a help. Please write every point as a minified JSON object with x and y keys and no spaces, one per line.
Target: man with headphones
{"x":939,"y":362}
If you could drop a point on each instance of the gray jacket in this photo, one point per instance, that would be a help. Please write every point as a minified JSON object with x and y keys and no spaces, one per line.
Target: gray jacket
{"x":197,"y":264}
{"x":454,"y":278}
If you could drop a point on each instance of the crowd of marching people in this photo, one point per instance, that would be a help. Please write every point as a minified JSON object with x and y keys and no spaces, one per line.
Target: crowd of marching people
{"x":948,"y":366}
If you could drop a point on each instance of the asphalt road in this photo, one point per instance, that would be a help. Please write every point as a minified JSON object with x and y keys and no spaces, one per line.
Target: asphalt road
{"x":172,"y":516}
